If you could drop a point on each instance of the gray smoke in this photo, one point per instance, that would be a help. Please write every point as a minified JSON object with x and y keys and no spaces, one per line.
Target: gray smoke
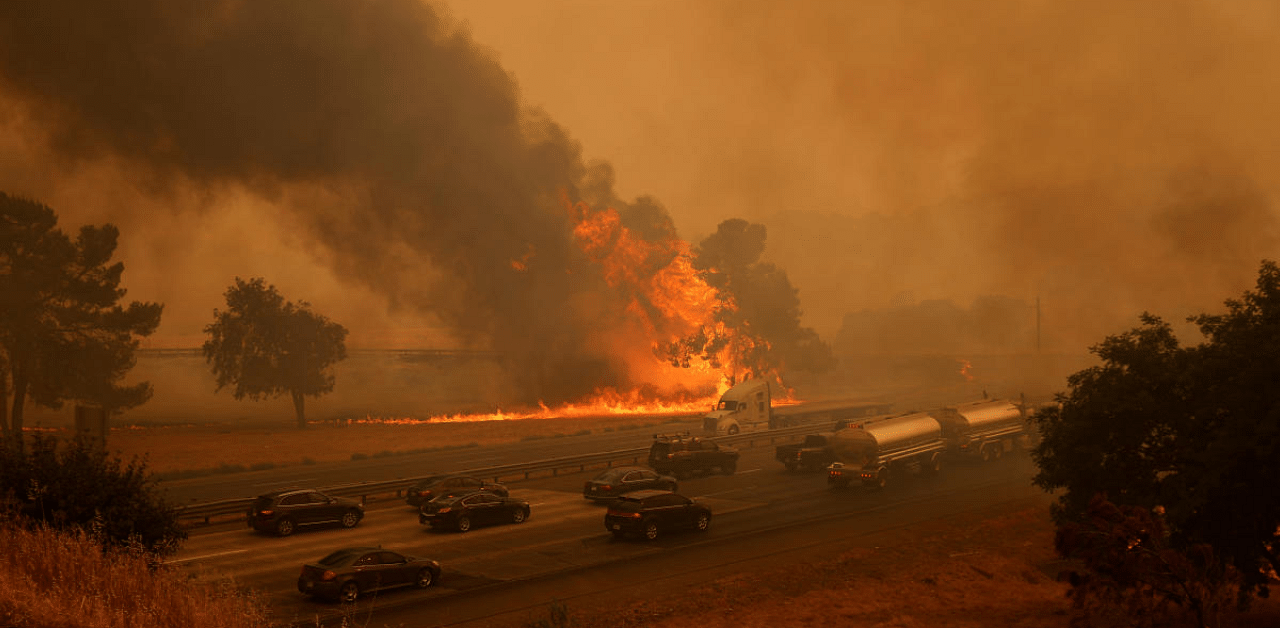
{"x":437,"y":187}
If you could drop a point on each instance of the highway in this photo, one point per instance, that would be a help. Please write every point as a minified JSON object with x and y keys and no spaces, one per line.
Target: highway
{"x":494,"y":574}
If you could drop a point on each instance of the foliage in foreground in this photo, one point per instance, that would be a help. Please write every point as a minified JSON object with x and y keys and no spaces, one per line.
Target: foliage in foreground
{"x":67,"y":579}
{"x":76,"y":485}
{"x":1193,"y":431}
{"x":1132,"y":577}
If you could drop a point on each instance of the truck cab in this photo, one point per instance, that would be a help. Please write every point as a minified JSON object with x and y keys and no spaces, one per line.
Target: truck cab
{"x":745,"y":407}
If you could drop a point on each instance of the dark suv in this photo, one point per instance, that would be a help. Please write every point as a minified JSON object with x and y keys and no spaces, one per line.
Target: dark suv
{"x":434,"y":486}
{"x":649,"y":513}
{"x":282,"y":512}
{"x":682,"y":456}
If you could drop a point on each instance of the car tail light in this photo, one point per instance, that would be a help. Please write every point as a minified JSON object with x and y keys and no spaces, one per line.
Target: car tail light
{"x":443,"y":510}
{"x":625,"y":514}
{"x":606,"y":487}
{"x":328,"y":575}
{"x":265,"y":513}
{"x":835,"y":474}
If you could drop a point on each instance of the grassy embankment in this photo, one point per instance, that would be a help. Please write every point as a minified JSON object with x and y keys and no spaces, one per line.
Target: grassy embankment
{"x":54,"y":579}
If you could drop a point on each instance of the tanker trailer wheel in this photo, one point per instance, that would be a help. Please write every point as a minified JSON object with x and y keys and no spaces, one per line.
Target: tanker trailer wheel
{"x":881,"y":480}
{"x":997,"y":450}
{"x":733,"y":430}
{"x":986,"y":452}
{"x":935,"y":463}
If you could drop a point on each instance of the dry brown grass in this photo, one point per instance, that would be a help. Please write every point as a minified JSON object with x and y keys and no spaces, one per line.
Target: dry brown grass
{"x":54,"y":579}
{"x":188,"y":447}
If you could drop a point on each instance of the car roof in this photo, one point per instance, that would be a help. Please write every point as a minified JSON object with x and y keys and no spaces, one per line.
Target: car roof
{"x":644,"y":494}
{"x":287,"y":491}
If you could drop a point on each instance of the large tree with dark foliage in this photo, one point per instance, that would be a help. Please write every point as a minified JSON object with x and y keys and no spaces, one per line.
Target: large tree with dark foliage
{"x":63,"y":334}
{"x":77,"y":484}
{"x":1193,"y":431}
{"x":263,"y":346}
{"x":765,"y":308}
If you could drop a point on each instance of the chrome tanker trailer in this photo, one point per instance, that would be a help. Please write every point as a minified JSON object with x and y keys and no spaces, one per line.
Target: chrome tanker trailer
{"x":870,"y":452}
{"x":982,"y":429}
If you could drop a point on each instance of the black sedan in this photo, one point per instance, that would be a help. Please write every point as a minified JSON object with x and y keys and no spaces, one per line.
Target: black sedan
{"x":650,"y":513}
{"x":465,"y":511}
{"x":618,"y":480}
{"x":348,"y":573}
{"x":434,"y":486}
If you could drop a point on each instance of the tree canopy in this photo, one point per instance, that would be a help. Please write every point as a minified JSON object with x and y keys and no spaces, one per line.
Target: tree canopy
{"x":63,"y":334}
{"x":765,"y":306}
{"x":263,"y":346}
{"x":1190,"y":430}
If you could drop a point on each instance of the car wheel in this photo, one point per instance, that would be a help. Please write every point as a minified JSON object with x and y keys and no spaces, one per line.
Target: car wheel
{"x":284,"y":527}
{"x":519,"y":515}
{"x":425,"y":578}
{"x":463,"y":524}
{"x":650,"y":530}
{"x":349,"y":592}
{"x":350,"y":518}
{"x":702,"y":523}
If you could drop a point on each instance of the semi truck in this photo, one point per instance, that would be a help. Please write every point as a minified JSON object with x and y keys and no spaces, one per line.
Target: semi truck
{"x":748,"y":406}
{"x":873,"y":451}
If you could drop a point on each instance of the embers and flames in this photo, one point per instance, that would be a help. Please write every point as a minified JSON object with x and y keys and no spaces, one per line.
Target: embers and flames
{"x":675,"y":333}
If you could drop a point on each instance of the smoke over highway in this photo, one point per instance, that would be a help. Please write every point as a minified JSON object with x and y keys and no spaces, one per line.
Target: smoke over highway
{"x":392,"y":161}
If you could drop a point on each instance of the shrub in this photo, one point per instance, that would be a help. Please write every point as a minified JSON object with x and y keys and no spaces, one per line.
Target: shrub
{"x":75,"y":484}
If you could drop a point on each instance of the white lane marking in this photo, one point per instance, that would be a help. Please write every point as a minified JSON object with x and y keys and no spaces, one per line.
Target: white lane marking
{"x":281,"y":483}
{"x":186,"y":560}
{"x":751,"y":470}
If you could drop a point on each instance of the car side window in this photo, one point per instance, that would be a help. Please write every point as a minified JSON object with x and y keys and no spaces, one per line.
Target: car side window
{"x":452,"y":482}
{"x":648,"y":475}
{"x":367,"y":559}
{"x":294,"y":500}
{"x":472,"y":482}
{"x":666,"y":501}
{"x":474,"y":500}
{"x":391,"y":558}
{"x":634,"y":476}
{"x":318,"y":498}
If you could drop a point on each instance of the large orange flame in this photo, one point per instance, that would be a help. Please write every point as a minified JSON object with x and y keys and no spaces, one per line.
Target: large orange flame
{"x":671,"y":331}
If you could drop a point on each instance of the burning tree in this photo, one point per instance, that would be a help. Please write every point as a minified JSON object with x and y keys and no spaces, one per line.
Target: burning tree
{"x":265,"y":346}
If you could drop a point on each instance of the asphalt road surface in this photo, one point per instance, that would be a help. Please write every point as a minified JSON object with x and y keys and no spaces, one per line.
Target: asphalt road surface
{"x":501,"y":574}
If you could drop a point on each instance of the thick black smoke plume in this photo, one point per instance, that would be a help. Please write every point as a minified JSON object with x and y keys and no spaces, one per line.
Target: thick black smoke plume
{"x":441,"y":190}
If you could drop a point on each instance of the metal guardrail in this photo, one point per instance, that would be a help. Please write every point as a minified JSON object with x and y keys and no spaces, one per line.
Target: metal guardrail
{"x":208,"y":510}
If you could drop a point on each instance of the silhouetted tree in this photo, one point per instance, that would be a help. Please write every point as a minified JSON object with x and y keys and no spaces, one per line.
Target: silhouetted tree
{"x":1193,"y":430}
{"x":63,"y":334}
{"x":265,"y":346}
{"x":765,"y":310}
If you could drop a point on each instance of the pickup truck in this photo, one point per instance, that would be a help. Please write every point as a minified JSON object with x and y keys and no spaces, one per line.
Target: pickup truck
{"x":814,"y":454}
{"x":681,"y":456}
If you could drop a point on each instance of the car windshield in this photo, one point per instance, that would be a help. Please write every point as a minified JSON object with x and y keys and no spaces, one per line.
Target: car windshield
{"x":429,"y":481}
{"x":727,"y":404}
{"x":341,"y":557}
{"x":608,"y":476}
{"x":629,"y":505}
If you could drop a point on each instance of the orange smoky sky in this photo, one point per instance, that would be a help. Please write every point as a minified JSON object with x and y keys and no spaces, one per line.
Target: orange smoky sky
{"x":1106,"y":157}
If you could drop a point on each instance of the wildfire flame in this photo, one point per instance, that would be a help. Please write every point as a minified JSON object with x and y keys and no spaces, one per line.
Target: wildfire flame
{"x":672,"y":333}
{"x":965,"y":365}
